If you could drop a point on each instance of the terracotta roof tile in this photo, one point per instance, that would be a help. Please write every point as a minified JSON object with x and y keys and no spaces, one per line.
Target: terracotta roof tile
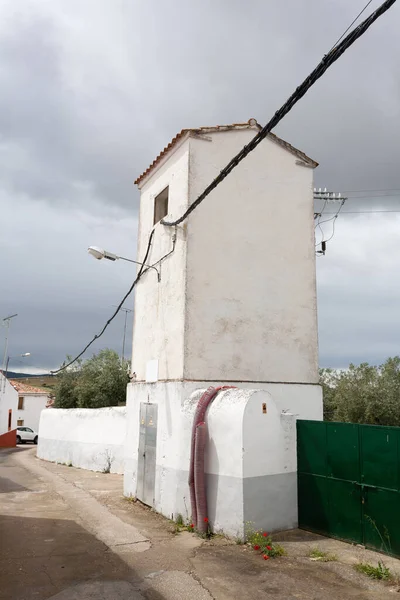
{"x":24,"y":388}
{"x":252,"y":123}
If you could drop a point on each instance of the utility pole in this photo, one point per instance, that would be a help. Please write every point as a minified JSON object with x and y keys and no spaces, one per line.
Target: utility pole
{"x":6,"y":322}
{"x":126,"y":311}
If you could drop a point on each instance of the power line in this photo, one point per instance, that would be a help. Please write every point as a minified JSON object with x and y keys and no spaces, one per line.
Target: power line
{"x":361,"y":212}
{"x":335,"y":216}
{"x":352,"y":23}
{"x":378,"y":190}
{"x":369,"y":197}
{"x":138,"y":276}
{"x":333,"y":55}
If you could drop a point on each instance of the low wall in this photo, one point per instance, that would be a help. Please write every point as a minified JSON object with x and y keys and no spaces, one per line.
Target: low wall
{"x":9,"y":439}
{"x":89,"y":438}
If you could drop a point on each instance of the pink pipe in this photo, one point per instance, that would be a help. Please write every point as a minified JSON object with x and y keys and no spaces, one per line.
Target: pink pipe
{"x":199,"y":478}
{"x":199,"y":417}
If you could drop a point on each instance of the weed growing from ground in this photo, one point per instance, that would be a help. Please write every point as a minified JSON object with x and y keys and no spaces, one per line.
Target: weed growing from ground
{"x":317,"y":554}
{"x":380,"y":572}
{"x":261,"y":542}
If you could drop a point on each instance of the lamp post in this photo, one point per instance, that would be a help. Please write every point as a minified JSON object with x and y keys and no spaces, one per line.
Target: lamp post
{"x":100,"y":253}
{"x":25,"y":355}
{"x":6,"y":322}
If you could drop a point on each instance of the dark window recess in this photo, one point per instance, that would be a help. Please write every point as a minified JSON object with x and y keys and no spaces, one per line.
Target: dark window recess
{"x":21,"y":403}
{"x":160,"y":206}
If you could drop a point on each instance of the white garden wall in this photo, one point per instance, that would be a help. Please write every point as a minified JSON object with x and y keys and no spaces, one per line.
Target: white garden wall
{"x":89,"y":438}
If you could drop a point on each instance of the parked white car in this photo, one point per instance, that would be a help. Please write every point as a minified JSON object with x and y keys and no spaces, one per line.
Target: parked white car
{"x":26,"y":434}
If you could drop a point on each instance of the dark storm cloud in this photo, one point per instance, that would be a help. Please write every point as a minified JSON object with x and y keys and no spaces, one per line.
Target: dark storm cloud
{"x":92,"y":91}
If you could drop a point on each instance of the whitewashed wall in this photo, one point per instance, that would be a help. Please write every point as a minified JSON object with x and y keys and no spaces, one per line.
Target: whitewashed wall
{"x":8,"y":400}
{"x":251,"y":456}
{"x":251,"y":311}
{"x":33,"y":406}
{"x":89,"y":438}
{"x":158,"y":330}
{"x":237,"y":298}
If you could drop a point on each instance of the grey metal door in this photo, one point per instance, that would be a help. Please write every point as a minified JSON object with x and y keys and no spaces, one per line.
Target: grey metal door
{"x":146,"y":475}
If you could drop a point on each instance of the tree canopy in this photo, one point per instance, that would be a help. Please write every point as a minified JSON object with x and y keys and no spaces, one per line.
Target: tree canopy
{"x":363,"y":394}
{"x":94,"y":383}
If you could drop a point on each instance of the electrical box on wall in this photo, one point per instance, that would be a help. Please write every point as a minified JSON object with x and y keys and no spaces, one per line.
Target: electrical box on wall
{"x":152,"y":371}
{"x":146,"y":473}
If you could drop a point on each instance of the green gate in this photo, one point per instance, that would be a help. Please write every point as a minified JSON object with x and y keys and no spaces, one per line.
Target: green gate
{"x":349,"y":482}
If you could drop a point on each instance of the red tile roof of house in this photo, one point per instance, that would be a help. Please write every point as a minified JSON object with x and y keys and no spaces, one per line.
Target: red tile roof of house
{"x":252,"y":123}
{"x":24,"y":388}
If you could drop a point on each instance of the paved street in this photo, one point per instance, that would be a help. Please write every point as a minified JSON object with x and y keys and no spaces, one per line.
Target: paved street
{"x":68,"y":534}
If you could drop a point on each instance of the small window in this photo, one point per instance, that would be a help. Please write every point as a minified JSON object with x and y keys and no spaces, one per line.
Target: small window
{"x":161,"y":206}
{"x":21,"y":403}
{"x":9,"y":418}
{"x":20,"y":422}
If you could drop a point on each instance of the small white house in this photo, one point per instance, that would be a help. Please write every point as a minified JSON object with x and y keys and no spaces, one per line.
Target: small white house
{"x":30,"y":403}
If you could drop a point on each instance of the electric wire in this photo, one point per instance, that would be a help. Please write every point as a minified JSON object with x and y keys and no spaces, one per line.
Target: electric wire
{"x":352,"y":23}
{"x":138,"y":276}
{"x":376,"y":190}
{"x":364,"y":212}
{"x":333,"y":55}
{"x":335,"y":216}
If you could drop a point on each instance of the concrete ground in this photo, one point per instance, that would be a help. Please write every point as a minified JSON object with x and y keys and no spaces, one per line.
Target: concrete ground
{"x":68,"y":534}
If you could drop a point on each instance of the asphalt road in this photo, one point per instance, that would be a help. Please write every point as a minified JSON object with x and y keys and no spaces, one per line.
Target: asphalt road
{"x":68,"y":534}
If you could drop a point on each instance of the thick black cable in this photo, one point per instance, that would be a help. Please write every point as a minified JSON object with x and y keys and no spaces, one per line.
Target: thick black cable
{"x":138,"y":276}
{"x":325,"y":63}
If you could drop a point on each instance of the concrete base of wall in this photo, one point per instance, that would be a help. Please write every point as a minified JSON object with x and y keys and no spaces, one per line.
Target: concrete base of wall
{"x":251,"y":465}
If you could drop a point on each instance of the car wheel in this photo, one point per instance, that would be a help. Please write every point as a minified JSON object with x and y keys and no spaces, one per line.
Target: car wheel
{"x":18,"y":439}
{"x":35,"y":440}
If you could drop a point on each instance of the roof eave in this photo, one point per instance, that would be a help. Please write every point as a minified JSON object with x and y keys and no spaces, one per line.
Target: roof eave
{"x":180,"y":137}
{"x":176,"y":143}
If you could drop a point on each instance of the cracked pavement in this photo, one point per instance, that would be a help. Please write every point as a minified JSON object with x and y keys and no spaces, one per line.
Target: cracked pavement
{"x":68,"y":534}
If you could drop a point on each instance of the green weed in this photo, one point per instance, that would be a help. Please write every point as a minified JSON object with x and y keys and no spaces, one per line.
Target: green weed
{"x":317,"y":554}
{"x":379,"y":572}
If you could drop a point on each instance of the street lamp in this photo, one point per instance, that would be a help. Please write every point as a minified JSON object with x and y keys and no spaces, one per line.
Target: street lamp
{"x":25,"y":355}
{"x":6,"y":321}
{"x":100,"y":253}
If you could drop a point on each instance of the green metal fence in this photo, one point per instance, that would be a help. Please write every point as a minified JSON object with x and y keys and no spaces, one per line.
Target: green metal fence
{"x":349,"y":482}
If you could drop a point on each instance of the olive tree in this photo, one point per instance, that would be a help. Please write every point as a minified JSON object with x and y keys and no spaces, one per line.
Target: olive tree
{"x":97,"y":382}
{"x":363,"y":393}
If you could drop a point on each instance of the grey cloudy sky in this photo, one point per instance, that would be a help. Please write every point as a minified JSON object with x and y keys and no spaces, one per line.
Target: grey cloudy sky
{"x":92,"y":90}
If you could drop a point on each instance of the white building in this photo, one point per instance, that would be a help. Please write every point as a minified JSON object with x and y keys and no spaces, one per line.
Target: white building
{"x":235,"y":304}
{"x":8,"y":405}
{"x":20,"y":404}
{"x":31,"y":401}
